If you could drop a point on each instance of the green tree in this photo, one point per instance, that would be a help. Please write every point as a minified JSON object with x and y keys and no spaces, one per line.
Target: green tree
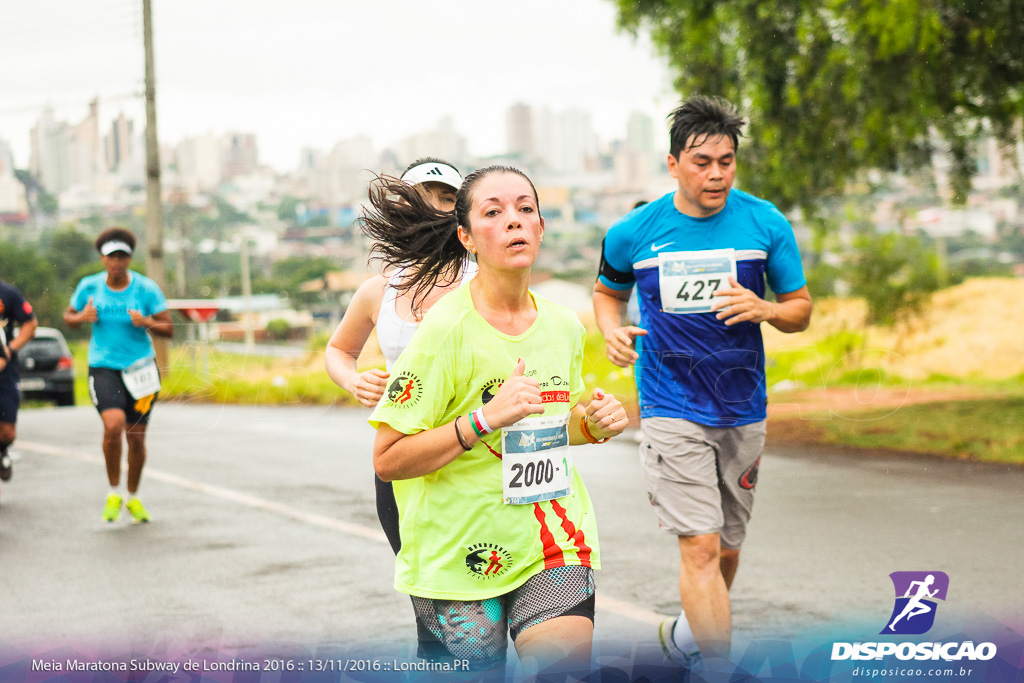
{"x":895,"y":274}
{"x":835,"y":86}
{"x":68,"y":251}
{"x":294,"y":270}
{"x":28,"y":270}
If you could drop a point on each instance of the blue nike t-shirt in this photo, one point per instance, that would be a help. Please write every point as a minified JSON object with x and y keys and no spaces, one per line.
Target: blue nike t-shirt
{"x":116,"y":343}
{"x":693,"y":366}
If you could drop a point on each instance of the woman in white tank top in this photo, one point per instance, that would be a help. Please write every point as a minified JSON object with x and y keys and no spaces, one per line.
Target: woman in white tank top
{"x":396,"y":304}
{"x":381,"y":302}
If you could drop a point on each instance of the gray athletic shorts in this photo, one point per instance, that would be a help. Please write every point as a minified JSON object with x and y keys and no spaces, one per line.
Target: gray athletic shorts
{"x":701,"y":479}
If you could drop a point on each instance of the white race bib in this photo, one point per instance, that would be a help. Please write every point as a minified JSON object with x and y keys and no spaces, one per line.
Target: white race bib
{"x":141,"y":378}
{"x":535,"y":461}
{"x":689,"y":278}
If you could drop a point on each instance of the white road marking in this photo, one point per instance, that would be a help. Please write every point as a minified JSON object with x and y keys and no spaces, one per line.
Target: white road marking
{"x":623,"y":609}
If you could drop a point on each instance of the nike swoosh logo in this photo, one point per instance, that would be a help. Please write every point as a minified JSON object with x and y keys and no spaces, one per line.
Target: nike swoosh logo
{"x":656,"y":247}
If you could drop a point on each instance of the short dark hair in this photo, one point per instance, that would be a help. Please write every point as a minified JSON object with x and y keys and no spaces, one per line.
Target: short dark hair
{"x":116,"y":235}
{"x":700,"y":117}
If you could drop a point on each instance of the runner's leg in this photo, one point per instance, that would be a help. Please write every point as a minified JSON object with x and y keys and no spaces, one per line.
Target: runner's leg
{"x":559,"y":644}
{"x":703,"y":592}
{"x":136,"y":456}
{"x":113,"y":433}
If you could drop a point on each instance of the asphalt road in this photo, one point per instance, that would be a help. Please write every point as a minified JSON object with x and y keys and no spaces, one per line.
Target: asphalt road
{"x":265,"y":536}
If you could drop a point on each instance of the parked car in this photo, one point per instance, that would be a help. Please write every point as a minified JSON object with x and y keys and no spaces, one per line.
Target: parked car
{"x":47,"y":368}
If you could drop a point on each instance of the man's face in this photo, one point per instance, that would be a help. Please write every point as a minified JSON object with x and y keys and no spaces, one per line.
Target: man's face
{"x":705,"y":172}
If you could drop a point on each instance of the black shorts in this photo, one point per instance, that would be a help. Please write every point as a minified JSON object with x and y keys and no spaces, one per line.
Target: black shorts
{"x":108,"y":392}
{"x":476,"y":630}
{"x":10,"y":397}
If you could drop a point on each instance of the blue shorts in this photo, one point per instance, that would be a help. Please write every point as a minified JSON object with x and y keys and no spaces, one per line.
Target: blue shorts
{"x":10,"y":398}
{"x":476,"y":630}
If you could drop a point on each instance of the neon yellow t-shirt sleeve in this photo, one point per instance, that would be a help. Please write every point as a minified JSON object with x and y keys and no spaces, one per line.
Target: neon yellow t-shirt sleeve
{"x":421,"y":386}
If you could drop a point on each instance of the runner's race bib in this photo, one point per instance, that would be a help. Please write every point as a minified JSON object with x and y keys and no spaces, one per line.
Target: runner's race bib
{"x":141,"y":378}
{"x":689,"y":278}
{"x":535,"y":461}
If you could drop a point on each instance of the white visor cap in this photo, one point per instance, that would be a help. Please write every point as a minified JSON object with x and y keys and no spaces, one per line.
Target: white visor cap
{"x":433,"y":172}
{"x":110,"y":247}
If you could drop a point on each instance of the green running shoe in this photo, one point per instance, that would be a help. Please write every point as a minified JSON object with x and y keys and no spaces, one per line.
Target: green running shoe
{"x":139,"y":513}
{"x":112,"y":511}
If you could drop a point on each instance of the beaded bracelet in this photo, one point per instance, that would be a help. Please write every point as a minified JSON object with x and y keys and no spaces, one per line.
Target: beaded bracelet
{"x":586,"y":432}
{"x":458,"y":435}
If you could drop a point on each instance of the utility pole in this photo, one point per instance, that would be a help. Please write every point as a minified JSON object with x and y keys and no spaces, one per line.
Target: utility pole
{"x":155,"y":267}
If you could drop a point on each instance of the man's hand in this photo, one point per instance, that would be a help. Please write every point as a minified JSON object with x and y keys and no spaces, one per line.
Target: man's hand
{"x":619,"y":345}
{"x":741,"y":305}
{"x":605,"y":415}
{"x":369,"y":386}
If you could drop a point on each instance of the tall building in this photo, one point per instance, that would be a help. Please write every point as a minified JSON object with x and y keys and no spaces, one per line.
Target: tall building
{"x":520,"y":134}
{"x":48,"y":158}
{"x":199,"y":162}
{"x":119,"y":146}
{"x":443,"y":142}
{"x":240,"y":156}
{"x":13,"y":204}
{"x":85,"y":150}
{"x":566,"y":142}
{"x":640,"y":133}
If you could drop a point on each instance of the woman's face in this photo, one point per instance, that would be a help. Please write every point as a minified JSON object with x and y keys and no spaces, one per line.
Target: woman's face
{"x":116,"y":263}
{"x":440,"y":195}
{"x":505,"y":222}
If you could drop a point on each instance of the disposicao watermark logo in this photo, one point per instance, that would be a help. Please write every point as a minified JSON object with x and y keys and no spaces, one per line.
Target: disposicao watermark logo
{"x":913,"y":614}
{"x":916,"y":593}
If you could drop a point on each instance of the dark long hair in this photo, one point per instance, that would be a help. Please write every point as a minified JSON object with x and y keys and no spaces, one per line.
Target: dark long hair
{"x":410,"y":233}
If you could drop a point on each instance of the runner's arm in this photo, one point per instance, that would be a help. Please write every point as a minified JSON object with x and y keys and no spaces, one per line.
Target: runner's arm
{"x":348,"y":340}
{"x":159,"y":324}
{"x":25,"y":332}
{"x":605,"y":418}
{"x":610,"y":313}
{"x":407,"y":456}
{"x":74,"y":318}
{"x":792,"y":311}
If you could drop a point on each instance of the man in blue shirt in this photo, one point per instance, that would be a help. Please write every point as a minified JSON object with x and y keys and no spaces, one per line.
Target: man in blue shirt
{"x":700,"y":257}
{"x":124,"y":308}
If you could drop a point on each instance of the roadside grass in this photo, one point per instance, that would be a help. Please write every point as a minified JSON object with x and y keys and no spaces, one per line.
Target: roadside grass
{"x":265,"y":380}
{"x":987,"y":425}
{"x":987,"y":429}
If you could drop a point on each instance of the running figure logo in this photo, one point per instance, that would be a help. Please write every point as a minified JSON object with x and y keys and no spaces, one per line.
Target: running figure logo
{"x":486,"y":560}
{"x":405,"y":390}
{"x":916,"y":592}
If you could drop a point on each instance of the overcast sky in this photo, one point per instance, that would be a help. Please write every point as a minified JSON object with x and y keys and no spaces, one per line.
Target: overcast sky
{"x":313,"y":72}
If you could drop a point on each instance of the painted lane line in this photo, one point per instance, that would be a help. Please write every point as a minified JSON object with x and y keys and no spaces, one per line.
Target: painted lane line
{"x":619,"y":607}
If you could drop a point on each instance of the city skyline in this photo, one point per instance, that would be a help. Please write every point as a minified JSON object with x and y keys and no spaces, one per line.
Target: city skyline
{"x":321,"y":73}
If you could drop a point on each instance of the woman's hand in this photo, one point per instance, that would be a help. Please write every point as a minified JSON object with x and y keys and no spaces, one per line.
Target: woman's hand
{"x":605,"y":415}
{"x":518,"y":397}
{"x":369,"y":386}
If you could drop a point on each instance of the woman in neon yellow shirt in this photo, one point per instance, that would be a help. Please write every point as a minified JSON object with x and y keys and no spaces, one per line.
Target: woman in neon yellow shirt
{"x":497,"y":529}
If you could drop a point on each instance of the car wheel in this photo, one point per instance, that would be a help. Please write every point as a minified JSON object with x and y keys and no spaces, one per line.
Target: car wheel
{"x":67,"y":399}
